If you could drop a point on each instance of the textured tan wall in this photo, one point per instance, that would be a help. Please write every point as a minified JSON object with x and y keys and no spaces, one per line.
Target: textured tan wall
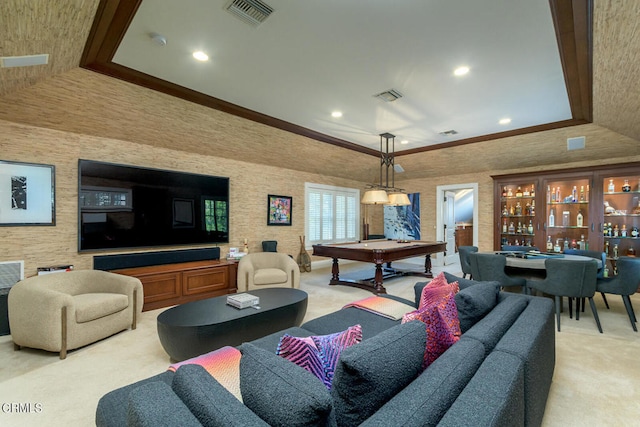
{"x":249,"y":186}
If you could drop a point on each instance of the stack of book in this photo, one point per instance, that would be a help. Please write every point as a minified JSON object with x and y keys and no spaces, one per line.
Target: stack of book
{"x":54,"y":269}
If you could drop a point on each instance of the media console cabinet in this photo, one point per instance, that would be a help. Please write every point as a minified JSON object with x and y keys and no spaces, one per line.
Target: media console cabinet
{"x":172,"y":284}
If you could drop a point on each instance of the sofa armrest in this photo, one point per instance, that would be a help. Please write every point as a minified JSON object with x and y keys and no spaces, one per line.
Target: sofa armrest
{"x":155,"y":404}
{"x":209,"y":401}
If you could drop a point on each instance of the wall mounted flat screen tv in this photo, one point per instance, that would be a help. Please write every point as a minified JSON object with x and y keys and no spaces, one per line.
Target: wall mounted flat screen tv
{"x":123,"y":206}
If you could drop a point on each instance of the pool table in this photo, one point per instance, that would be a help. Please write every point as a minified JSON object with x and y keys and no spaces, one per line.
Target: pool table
{"x":379,"y":252}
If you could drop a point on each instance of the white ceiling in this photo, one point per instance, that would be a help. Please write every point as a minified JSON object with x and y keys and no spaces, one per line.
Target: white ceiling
{"x":312,"y":57}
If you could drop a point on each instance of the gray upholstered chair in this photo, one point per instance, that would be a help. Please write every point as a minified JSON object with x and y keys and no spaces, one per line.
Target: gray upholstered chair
{"x":602,"y":257}
{"x":463,"y":252}
{"x":569,"y":278}
{"x":626,"y":283}
{"x":64,"y":311}
{"x":490,"y":267}
{"x":261,"y":270}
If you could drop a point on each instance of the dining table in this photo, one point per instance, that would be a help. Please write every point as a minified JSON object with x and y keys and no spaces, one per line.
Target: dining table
{"x":535,"y":260}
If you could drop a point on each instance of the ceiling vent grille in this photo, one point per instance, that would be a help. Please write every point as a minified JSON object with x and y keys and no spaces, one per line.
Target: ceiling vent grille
{"x":253,"y":12}
{"x":389,"y":95}
{"x":449,"y":132}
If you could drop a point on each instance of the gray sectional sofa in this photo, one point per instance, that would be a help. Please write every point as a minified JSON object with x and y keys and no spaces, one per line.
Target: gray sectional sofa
{"x":498,"y":374}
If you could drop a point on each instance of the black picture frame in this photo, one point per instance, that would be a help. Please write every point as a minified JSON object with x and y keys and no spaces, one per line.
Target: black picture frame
{"x":27,"y":194}
{"x":279,"y":210}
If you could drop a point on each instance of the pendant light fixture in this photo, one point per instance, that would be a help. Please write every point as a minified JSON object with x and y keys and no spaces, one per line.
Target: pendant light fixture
{"x":385,"y":194}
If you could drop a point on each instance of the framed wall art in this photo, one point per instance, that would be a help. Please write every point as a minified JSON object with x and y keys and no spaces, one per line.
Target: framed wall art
{"x":279,"y":210}
{"x":27,"y":194}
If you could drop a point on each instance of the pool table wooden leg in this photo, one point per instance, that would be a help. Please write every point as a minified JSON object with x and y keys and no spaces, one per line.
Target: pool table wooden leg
{"x":379,"y":288}
{"x":427,"y":266}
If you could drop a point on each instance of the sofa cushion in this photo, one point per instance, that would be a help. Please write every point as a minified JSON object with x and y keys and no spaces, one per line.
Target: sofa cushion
{"x":155,"y":404}
{"x":439,"y":314}
{"x":93,"y":306}
{"x":318,"y":354}
{"x":269,"y":276}
{"x":493,"y":397}
{"x":436,"y":288}
{"x":425,"y":400}
{"x":209,"y":401}
{"x":474,"y":302}
{"x":280,"y":392}
{"x":370,"y":373}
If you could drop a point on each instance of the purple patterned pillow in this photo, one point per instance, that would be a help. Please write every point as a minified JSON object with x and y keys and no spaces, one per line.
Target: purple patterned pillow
{"x":319,"y":354}
{"x":440,"y":315}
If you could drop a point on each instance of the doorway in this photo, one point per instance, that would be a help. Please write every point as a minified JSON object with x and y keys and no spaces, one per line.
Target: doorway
{"x":457,"y":214}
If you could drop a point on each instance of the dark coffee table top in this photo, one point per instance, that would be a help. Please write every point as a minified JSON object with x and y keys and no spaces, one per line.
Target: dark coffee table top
{"x":213,"y":311}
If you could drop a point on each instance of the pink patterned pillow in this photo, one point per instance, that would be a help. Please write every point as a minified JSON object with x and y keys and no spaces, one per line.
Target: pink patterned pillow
{"x":439,"y":313}
{"x":437,"y":289}
{"x":319,"y":354}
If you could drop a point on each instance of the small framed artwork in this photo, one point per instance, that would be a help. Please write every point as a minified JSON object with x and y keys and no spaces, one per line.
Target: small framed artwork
{"x":27,"y":194}
{"x":279,"y":210}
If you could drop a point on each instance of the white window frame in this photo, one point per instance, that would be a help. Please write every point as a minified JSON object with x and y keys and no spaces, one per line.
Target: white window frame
{"x":311,"y":188}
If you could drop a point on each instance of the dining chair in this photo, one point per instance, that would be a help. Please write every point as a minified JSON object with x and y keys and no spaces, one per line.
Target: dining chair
{"x":569,"y":278}
{"x":602,"y":257}
{"x":625,"y":284}
{"x":490,"y":267}
{"x":463,"y":252}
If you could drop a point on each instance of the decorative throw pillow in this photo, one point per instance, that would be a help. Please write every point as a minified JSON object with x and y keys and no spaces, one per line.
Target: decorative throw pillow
{"x":439,"y":313}
{"x":282,"y":393}
{"x":474,"y":302}
{"x":319,"y":354}
{"x":369,"y":374}
{"x":436,"y":289}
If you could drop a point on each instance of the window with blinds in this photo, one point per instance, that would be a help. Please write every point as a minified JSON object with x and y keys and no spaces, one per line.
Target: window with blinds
{"x":331,"y":214}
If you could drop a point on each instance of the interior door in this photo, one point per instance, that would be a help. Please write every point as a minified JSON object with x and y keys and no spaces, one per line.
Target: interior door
{"x":450,"y":227}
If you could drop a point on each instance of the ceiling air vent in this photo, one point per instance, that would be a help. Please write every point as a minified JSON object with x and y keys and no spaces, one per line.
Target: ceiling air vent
{"x":389,"y":95}
{"x":253,"y":12}
{"x":449,"y":132}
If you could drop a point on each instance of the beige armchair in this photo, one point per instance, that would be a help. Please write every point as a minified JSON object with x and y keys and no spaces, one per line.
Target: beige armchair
{"x":267,"y":270}
{"x":63,"y":311}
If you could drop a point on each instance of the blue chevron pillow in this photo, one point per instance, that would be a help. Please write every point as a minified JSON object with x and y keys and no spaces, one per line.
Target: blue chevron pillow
{"x":319,"y":354}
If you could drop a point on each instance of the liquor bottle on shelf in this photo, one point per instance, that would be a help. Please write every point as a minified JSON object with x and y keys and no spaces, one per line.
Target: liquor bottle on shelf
{"x":519,"y":192}
{"x":504,"y":226}
{"x":527,"y":209}
{"x":518,"y":209}
{"x":549,"y":193}
{"x":533,"y":191}
{"x":636,"y":210}
{"x":606,"y":248}
{"x":525,"y":192}
{"x":574,"y":194}
{"x":582,"y":199}
{"x":586,"y":196}
{"x":530,"y":227}
{"x":504,"y":192}
{"x":533,"y":207}
{"x":615,"y":251}
{"x":557,"y":248}
{"x":582,"y":245}
{"x":634,"y":232}
{"x":519,"y":229}
{"x":509,"y":193}
{"x":623,"y":230}
{"x":558,"y":198}
{"x":626,"y":187}
{"x":511,"y":210}
{"x":579,"y":219}
{"x":611,"y":188}
{"x":549,"y":244}
{"x":505,"y":211}
{"x":566,"y":243}
{"x":616,"y":231}
{"x":512,"y":228}
{"x":552,"y":219}
{"x":553,"y":195}
{"x":565,"y":218}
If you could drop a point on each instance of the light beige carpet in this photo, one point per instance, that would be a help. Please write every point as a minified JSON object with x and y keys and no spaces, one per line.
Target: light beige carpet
{"x":596,"y":379}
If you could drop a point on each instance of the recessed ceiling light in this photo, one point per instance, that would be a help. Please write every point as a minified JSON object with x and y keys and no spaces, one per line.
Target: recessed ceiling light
{"x":461,"y":71}
{"x":505,"y":121}
{"x":201,"y":56}
{"x":404,"y":141}
{"x":336,"y":114}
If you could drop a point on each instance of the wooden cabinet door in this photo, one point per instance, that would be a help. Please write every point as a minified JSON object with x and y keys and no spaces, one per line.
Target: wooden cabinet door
{"x":205,"y":280}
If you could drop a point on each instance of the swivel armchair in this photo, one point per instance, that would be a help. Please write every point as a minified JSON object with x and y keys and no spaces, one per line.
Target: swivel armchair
{"x":624,"y":284}
{"x":64,"y":311}
{"x":261,"y":270}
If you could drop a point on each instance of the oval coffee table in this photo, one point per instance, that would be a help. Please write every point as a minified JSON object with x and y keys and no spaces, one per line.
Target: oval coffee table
{"x":198,"y":327}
